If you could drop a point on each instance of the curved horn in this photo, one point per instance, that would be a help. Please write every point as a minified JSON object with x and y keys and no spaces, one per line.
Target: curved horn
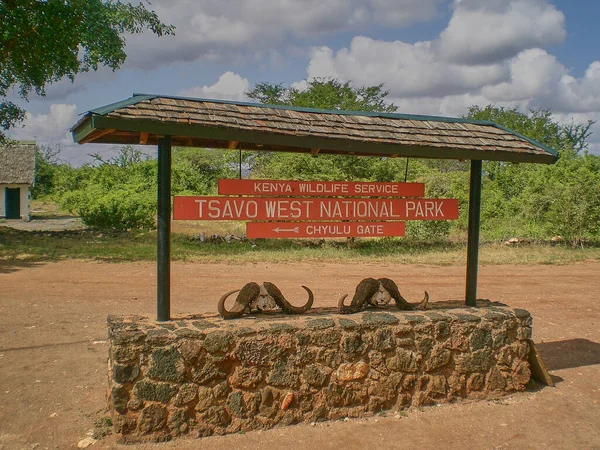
{"x":343,"y":308}
{"x":341,"y":302}
{"x":301,"y":309}
{"x":286,"y":306}
{"x":423,"y":305}
{"x":221,"y":306}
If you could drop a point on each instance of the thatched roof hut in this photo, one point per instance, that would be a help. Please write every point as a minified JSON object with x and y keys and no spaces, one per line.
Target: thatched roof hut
{"x":17,"y":163}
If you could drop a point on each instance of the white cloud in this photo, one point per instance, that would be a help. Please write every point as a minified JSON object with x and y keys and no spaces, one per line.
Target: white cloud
{"x":581,"y":95}
{"x":230,"y":86}
{"x":217,"y":30}
{"x":534,"y":73}
{"x":490,"y":53}
{"x":403,"y":12}
{"x":51,"y":127}
{"x":488,"y":31}
{"x":417,"y":81}
{"x":405,"y":69}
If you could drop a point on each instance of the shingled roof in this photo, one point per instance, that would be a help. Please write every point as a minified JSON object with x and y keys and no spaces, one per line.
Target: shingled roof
{"x":142,"y":119}
{"x":17,"y":164}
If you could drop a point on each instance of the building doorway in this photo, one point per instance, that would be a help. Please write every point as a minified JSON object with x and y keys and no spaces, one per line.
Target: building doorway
{"x":12,"y":203}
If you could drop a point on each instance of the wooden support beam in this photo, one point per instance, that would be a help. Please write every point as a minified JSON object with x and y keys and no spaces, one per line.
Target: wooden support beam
{"x":314,"y":151}
{"x":473,"y":233}
{"x":163,"y":254}
{"x":143,"y":138}
{"x":231,"y":145}
{"x":98,"y":135}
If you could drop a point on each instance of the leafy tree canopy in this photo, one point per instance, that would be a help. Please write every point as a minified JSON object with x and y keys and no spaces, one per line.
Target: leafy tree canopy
{"x":539,"y":125}
{"x":325,"y":93}
{"x":42,"y":41}
{"x":322,"y":93}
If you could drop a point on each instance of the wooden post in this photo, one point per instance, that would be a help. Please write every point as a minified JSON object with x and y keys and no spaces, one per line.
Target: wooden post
{"x":163,"y":255}
{"x":473,"y":239}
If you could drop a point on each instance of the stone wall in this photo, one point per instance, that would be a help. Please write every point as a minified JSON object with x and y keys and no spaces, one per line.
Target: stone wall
{"x":201,"y":375}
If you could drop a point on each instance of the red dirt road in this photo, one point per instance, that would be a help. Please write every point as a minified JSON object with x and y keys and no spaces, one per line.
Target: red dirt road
{"x":53,"y":352}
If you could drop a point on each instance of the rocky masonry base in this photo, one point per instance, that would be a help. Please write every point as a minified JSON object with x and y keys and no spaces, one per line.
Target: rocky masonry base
{"x":201,"y":375}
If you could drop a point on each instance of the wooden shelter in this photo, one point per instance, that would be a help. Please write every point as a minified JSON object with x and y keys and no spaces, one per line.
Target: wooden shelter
{"x":166,"y":121}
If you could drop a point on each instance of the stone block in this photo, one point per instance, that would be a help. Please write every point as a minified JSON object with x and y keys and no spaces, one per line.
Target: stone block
{"x":316,"y":375}
{"x":152,"y":418}
{"x":246,"y":377}
{"x":187,"y":393}
{"x":155,"y":392}
{"x":352,"y":371}
{"x":167,"y":365}
{"x":124,"y":374}
{"x":218,"y":341}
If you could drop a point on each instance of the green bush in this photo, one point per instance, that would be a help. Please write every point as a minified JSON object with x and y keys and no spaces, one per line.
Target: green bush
{"x":121,"y":192}
{"x":118,"y":208}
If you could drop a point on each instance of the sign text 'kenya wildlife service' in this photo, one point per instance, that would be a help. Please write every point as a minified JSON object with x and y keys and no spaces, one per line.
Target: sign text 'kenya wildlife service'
{"x":317,"y":209}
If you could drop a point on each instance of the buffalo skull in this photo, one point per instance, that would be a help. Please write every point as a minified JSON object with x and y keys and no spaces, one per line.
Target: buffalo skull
{"x":260,"y":297}
{"x":374,"y":293}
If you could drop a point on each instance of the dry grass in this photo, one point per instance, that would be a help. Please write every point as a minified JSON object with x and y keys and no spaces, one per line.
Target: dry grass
{"x":132,"y":246}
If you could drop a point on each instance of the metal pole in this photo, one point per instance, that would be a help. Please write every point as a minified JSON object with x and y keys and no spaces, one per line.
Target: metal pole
{"x":163,"y":255}
{"x":473,"y":239}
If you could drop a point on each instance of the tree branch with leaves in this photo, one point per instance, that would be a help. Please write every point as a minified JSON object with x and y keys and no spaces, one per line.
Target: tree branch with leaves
{"x":43,"y":41}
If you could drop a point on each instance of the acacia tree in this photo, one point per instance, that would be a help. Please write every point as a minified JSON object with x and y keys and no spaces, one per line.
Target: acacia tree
{"x":42,"y":41}
{"x":322,"y":93}
{"x":560,"y":199}
{"x":325,"y":93}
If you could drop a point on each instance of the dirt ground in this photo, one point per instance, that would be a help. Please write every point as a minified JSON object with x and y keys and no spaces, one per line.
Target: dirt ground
{"x":53,"y":352}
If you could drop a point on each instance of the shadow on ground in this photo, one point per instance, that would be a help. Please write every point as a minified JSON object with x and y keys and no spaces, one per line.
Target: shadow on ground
{"x":569,"y":354}
{"x":14,"y":266}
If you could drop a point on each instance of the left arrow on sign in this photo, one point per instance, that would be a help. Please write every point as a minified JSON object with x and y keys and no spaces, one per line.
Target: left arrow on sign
{"x":292,"y":230}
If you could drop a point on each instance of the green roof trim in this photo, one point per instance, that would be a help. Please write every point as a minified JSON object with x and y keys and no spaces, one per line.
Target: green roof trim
{"x":122,"y":104}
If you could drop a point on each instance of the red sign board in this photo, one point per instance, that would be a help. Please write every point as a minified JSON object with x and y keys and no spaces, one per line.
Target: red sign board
{"x":323,"y":229}
{"x":259,"y":208}
{"x":320,"y":188}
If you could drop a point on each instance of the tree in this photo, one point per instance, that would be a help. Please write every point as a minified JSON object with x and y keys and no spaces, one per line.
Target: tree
{"x":325,"y":93}
{"x":322,"y":93}
{"x":46,"y":165}
{"x":43,"y":41}
{"x":539,"y":125}
{"x":539,"y":200}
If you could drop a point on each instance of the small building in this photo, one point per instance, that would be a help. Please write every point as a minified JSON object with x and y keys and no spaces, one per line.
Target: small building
{"x":17,"y":176}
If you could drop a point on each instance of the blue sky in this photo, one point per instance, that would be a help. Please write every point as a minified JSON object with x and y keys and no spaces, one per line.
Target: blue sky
{"x":434,"y":56}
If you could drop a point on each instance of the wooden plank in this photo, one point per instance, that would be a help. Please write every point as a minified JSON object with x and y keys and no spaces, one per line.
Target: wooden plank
{"x":318,"y":230}
{"x":320,"y":188}
{"x":144,"y":138}
{"x":297,"y":209}
{"x":97,"y":135}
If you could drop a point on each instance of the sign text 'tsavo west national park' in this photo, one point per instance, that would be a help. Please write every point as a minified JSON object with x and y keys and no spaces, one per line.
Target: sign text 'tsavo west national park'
{"x":317,"y":209}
